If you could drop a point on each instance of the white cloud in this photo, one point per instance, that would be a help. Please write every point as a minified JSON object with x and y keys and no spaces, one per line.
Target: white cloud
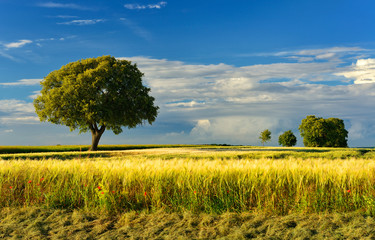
{"x":13,"y":111}
{"x":158,"y":5}
{"x":8,"y":131}
{"x":318,"y":52}
{"x":35,"y":94}
{"x":16,"y":106}
{"x":202,"y":129}
{"x":63,"y":5}
{"x":225,"y":103}
{"x":186,"y":104}
{"x":23,"y":82}
{"x":83,"y":22}
{"x":223,"y":129}
{"x":309,"y":55}
{"x":18,"y":44}
{"x":11,"y":120}
{"x":7,"y":56}
{"x":362,"y":72}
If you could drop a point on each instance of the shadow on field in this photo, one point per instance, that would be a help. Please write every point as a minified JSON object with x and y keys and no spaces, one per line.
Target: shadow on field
{"x":267,"y":150}
{"x":57,"y":156}
{"x":39,"y":223}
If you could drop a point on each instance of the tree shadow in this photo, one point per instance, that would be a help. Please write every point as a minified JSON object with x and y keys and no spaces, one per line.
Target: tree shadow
{"x":57,"y":156}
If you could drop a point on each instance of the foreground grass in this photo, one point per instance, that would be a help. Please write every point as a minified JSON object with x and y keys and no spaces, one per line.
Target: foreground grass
{"x":39,"y":223}
{"x":200,"y":192}
{"x":194,"y":180}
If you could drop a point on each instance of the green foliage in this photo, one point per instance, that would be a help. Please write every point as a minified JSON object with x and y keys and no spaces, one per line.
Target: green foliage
{"x":287,"y":139}
{"x":319,"y":132}
{"x":96,"y":94}
{"x":265,"y":136}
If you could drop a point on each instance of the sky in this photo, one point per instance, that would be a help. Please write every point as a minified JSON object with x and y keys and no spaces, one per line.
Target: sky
{"x":221,"y":71}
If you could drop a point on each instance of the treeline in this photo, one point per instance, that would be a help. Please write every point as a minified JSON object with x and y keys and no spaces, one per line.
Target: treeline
{"x":315,"y":131}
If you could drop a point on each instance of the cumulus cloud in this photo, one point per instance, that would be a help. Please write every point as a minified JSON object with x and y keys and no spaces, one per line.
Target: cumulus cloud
{"x":363,"y":71}
{"x":133,"y":6}
{"x":223,"y":129}
{"x":202,"y":129}
{"x":18,"y":44}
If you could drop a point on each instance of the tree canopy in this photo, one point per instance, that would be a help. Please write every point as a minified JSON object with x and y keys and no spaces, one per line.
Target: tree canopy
{"x":320,"y":132}
{"x":265,"y":136}
{"x":96,"y":94}
{"x":287,"y":139}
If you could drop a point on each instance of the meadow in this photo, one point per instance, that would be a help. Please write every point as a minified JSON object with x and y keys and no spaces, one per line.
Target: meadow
{"x":201,"y":185}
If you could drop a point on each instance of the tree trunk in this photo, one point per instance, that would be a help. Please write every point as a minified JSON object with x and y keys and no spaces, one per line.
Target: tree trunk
{"x":96,"y":134}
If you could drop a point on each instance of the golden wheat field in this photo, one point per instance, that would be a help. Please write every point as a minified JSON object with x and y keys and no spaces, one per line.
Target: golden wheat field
{"x":200,"y":182}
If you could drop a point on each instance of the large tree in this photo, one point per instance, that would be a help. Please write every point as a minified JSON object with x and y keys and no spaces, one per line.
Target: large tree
{"x":320,"y":132}
{"x":96,"y":94}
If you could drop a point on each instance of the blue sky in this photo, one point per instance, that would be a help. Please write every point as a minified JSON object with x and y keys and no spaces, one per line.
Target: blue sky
{"x":221,"y":71}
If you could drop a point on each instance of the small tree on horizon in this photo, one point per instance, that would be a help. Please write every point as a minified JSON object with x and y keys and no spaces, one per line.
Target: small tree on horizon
{"x":96,"y":94}
{"x":265,"y":136}
{"x":287,"y":139}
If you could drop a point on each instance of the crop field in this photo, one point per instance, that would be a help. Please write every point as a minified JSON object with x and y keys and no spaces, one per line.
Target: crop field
{"x":197,"y":192}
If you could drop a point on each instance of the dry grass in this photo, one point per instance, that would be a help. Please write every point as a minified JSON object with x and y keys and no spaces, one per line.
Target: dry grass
{"x":39,"y":223}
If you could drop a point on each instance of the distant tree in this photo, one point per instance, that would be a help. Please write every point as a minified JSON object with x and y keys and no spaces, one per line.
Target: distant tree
{"x":265,"y":136}
{"x":287,"y":139}
{"x":320,"y":132}
{"x":96,"y":94}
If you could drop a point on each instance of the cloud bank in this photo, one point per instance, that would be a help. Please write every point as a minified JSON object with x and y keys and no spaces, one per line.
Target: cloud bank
{"x":222,"y":103}
{"x":225,"y":103}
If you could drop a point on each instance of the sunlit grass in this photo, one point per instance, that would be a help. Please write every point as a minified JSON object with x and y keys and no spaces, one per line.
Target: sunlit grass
{"x":195,"y":180}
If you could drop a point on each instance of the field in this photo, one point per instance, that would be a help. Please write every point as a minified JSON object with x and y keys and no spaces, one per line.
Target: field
{"x":187,"y":192}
